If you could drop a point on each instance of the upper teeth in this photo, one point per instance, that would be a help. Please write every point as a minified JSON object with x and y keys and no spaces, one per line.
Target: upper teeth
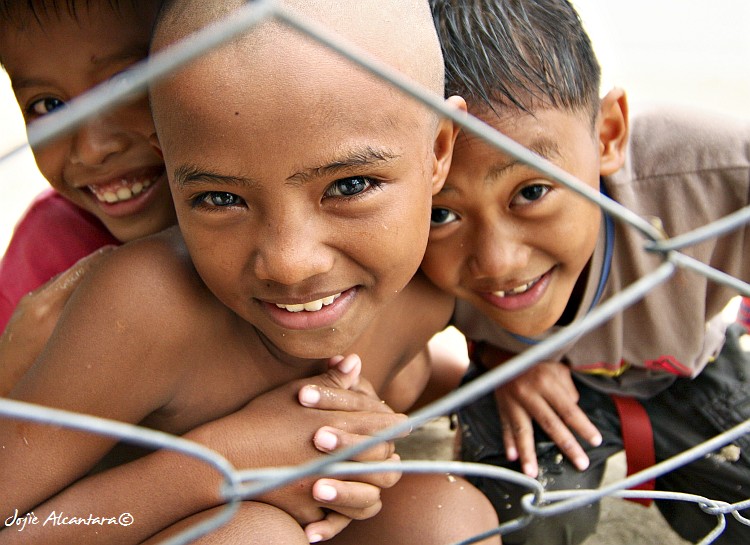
{"x":516,"y":290}
{"x":113,"y":194}
{"x":312,"y":306}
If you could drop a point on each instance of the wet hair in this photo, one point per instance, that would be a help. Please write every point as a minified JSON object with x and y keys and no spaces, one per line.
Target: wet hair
{"x":522,"y":54}
{"x":19,"y":13}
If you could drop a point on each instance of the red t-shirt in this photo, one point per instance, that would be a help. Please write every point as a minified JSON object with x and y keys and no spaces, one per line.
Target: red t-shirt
{"x":51,"y":236}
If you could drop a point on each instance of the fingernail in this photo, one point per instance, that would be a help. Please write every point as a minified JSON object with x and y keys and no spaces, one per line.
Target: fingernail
{"x":325,"y":440}
{"x":348,"y":364}
{"x":315,"y":538}
{"x":335,"y":360}
{"x":511,"y":454}
{"x":582,"y":463}
{"x":309,"y":396}
{"x":531,"y":470}
{"x":596,"y":440}
{"x":325,"y":492}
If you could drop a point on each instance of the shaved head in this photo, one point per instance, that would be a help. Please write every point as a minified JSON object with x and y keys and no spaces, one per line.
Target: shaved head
{"x":303,"y":142}
{"x":398,"y":32}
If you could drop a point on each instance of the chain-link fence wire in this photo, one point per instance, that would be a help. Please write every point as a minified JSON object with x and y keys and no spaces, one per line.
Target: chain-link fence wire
{"x":243,"y":484}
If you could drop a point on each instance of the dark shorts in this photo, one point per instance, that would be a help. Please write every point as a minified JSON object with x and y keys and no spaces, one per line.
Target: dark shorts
{"x":686,"y":414}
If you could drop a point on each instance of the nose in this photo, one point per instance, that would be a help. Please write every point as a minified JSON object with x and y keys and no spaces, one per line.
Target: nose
{"x":97,"y":141}
{"x":293,"y":249}
{"x":498,"y":252}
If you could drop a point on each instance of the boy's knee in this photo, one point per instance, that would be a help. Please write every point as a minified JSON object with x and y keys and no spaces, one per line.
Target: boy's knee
{"x":252,"y":519}
{"x":441,"y":509}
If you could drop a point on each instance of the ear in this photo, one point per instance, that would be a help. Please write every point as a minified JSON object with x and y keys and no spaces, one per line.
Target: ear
{"x":445,"y":138}
{"x":613,"y":131}
{"x":154,"y":141}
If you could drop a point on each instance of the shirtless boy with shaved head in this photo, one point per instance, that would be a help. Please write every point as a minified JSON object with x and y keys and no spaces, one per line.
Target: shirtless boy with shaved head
{"x":302,"y":186}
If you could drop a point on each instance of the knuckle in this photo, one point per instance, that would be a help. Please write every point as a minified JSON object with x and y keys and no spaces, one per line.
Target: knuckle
{"x":369,"y":511}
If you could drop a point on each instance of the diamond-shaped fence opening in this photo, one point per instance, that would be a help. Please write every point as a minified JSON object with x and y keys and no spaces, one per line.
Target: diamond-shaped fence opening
{"x":246,"y":484}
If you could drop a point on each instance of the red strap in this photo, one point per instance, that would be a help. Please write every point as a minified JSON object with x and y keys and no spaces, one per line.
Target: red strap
{"x":638,"y":440}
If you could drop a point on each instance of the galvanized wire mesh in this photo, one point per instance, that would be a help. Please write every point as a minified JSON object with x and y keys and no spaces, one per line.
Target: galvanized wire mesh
{"x":239,"y":484}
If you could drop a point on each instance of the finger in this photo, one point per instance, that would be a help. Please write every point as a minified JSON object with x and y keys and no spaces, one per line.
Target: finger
{"x":343,"y":373}
{"x":558,"y":431}
{"x":327,"y":528}
{"x":504,"y":409}
{"x":523,"y":433}
{"x":577,"y":421}
{"x":370,"y":423}
{"x":328,"y":440}
{"x":338,"y":399}
{"x":519,"y":430}
{"x":355,"y":500}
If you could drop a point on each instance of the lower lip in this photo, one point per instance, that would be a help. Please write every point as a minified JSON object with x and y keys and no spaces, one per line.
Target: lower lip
{"x":304,"y":320}
{"x":523,"y":300}
{"x":132,"y":206}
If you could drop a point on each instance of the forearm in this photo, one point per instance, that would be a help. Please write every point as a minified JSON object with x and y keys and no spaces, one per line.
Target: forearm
{"x":156,"y":491}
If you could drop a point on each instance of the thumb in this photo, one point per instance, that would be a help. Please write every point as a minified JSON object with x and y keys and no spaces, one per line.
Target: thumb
{"x":343,"y":373}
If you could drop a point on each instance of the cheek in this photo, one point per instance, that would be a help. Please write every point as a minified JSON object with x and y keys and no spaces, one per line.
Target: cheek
{"x":580,"y":228}
{"x":50,"y":160}
{"x":400,"y":240}
{"x":142,"y":122}
{"x":441,"y":262}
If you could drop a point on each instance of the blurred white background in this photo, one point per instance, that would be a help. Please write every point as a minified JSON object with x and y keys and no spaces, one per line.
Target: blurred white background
{"x":681,"y":51}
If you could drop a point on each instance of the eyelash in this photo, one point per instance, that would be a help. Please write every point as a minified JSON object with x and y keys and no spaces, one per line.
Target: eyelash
{"x":201,"y":200}
{"x":31,"y":113}
{"x":544,"y":187}
{"x":372,"y":184}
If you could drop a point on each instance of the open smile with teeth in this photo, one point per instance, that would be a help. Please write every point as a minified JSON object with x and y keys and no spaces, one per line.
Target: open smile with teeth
{"x":122,"y":190}
{"x":517,"y":290}
{"x":312,"y":306}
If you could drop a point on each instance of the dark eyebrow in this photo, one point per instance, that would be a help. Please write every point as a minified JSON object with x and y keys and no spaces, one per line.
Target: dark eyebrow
{"x":187,"y":175}
{"x":544,"y":147}
{"x":358,"y":157}
{"x":135,"y":53}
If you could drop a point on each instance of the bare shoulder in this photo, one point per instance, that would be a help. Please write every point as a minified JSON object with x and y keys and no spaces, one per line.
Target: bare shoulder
{"x":428,"y":301}
{"x":419,"y":311}
{"x":151,"y":279}
{"x":403,"y":329}
{"x":136,"y":313}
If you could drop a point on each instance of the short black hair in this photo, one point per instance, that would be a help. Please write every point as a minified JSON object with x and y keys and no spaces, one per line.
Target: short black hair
{"x":20,"y":13}
{"x":517,"y":53}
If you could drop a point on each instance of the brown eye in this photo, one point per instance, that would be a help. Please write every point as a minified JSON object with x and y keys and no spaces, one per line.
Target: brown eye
{"x":44,"y":106}
{"x":348,"y":187}
{"x":441,"y":216}
{"x":217,"y":199}
{"x":531,"y":193}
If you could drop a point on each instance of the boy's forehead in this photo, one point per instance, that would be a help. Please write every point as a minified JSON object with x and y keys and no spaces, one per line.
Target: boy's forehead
{"x":59,"y":48}
{"x":285,"y":81}
{"x":321,"y":100}
{"x":407,"y":42}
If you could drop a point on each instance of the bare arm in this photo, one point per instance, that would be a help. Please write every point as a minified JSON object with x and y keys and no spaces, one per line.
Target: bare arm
{"x":162,"y":488}
{"x":89,"y":366}
{"x":35,"y":318}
